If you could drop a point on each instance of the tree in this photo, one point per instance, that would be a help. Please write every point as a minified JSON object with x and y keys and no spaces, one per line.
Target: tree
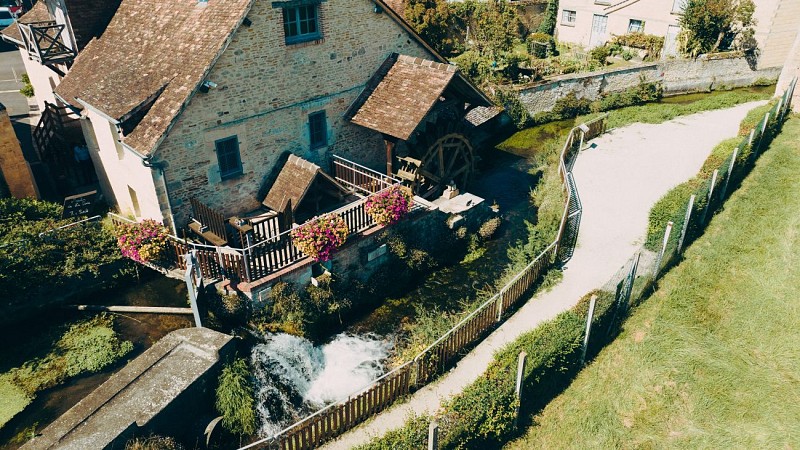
{"x":711,"y":25}
{"x":435,"y":22}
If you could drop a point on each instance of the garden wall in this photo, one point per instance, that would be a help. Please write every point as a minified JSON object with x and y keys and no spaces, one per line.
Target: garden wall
{"x":678,"y":77}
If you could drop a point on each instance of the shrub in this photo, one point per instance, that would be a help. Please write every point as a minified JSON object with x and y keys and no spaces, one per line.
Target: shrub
{"x":92,"y":346}
{"x":548,"y":24}
{"x":541,"y":45}
{"x":389,"y":206}
{"x":489,"y":228}
{"x":235,"y":400}
{"x":509,"y":99}
{"x":600,"y":54}
{"x":754,"y":117}
{"x":475,"y":66}
{"x":643,"y":93}
{"x":320,"y":237}
{"x":27,"y":88}
{"x":144,"y":241}
{"x":570,"y":106}
{"x":650,"y":42}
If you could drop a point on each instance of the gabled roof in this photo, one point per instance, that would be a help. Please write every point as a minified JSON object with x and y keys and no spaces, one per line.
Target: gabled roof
{"x":404,"y":90}
{"x":38,"y":13}
{"x":163,"y":49}
{"x":151,"y":48}
{"x":88,"y":19}
{"x":293,"y":183}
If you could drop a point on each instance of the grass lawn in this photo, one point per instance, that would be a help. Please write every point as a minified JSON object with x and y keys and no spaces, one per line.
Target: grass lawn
{"x":711,"y":359}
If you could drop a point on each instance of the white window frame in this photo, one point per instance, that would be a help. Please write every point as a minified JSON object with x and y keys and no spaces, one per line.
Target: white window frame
{"x":566,"y":14}
{"x":639,"y":27}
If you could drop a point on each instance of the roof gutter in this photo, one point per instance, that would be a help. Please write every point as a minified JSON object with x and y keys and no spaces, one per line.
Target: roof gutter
{"x":96,"y":111}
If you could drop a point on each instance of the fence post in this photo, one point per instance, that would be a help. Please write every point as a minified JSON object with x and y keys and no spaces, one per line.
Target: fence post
{"x":730,"y":173}
{"x":686,"y":223}
{"x":518,"y":386}
{"x":663,"y":249}
{"x":189,"y":278}
{"x":710,"y":195}
{"x":631,"y":280}
{"x":750,"y":138}
{"x":500,"y":304}
{"x":589,"y":317}
{"x":761,"y":138}
{"x":433,"y":435}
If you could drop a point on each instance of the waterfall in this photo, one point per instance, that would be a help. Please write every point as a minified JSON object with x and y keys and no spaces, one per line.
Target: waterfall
{"x":294,"y":378}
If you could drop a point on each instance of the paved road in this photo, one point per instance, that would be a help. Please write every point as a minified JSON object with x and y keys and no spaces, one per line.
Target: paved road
{"x":11,"y":68}
{"x":618,"y":181}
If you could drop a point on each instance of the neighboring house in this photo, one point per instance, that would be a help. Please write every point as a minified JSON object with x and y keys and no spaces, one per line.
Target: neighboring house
{"x":50,"y":36}
{"x":590,"y":23}
{"x":202,"y":100}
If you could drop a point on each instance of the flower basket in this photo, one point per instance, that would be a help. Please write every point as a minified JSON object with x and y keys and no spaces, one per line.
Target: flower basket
{"x":144,"y":241}
{"x":387,"y":207}
{"x":320,"y":237}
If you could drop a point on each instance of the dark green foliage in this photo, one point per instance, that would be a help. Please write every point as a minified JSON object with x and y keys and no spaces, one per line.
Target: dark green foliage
{"x":541,"y":45}
{"x":650,"y":42}
{"x":473,"y":65}
{"x":27,"y":88}
{"x":235,"y":400}
{"x":509,"y":99}
{"x":600,"y":54}
{"x":711,"y":25}
{"x":645,"y":92}
{"x":672,"y":206}
{"x":548,"y":25}
{"x":44,"y":262}
{"x":411,"y":436}
{"x":570,"y":106}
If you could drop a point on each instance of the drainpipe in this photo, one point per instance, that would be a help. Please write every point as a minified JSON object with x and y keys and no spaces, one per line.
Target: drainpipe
{"x":159,"y":165}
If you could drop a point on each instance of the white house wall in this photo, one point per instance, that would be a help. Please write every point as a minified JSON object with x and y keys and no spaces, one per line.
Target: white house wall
{"x":42,"y":79}
{"x":119,"y":169}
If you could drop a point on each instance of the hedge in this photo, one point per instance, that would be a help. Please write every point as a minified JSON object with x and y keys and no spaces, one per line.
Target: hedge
{"x":482,"y":416}
{"x":672,"y":206}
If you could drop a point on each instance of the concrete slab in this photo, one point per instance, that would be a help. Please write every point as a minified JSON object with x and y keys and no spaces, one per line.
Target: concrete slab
{"x":153,"y":391}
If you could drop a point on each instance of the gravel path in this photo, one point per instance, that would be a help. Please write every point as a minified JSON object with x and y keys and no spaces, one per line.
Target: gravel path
{"x":619,"y":179}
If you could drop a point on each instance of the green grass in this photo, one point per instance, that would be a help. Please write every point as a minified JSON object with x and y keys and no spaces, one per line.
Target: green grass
{"x":86,"y":347}
{"x":710,"y":360}
{"x":661,"y":112}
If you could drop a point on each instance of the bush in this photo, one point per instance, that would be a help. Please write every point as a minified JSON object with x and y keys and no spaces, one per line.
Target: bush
{"x":235,"y":400}
{"x":473,"y":65}
{"x":548,"y":24}
{"x":509,"y":99}
{"x":489,"y":228}
{"x":650,"y":42}
{"x":541,"y":45}
{"x":27,"y":88}
{"x":754,"y":117}
{"x":570,"y":106}
{"x":600,"y":54}
{"x":645,"y":92}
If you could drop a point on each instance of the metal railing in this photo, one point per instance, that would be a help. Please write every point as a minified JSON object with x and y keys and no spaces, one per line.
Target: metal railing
{"x":359,"y":177}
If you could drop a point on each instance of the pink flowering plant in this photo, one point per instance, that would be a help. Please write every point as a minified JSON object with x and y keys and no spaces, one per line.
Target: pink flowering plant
{"x":144,"y":241}
{"x":388,"y":206}
{"x":320,"y":237}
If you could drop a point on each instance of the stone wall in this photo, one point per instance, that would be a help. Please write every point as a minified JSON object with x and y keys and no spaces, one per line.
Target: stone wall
{"x":265,"y":91}
{"x":678,"y":76}
{"x":14,"y":169}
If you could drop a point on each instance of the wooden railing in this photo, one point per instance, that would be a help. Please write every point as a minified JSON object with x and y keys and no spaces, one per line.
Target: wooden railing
{"x":210,"y":218}
{"x":438,"y":357}
{"x":360,"y":178}
{"x":44,"y":42}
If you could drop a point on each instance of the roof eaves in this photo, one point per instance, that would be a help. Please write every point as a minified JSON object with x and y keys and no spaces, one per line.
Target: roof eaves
{"x":152,"y":151}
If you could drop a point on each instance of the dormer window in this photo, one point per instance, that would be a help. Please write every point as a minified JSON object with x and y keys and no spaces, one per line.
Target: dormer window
{"x":301,"y":23}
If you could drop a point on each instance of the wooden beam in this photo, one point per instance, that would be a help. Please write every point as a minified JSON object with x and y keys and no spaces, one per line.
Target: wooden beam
{"x":389,"y":143}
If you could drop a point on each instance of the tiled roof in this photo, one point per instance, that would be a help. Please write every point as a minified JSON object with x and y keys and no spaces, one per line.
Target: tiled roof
{"x":151,"y":48}
{"x":38,"y":13}
{"x":293,"y":182}
{"x":482,"y":114}
{"x":89,"y":18}
{"x":403,"y":97}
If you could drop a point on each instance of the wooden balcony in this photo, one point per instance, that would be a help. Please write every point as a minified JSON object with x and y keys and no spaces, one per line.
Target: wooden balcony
{"x":45,"y":43}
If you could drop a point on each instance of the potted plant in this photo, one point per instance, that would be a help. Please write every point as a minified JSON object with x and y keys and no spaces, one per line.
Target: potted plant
{"x":320,"y":237}
{"x":144,"y":241}
{"x":388,"y":206}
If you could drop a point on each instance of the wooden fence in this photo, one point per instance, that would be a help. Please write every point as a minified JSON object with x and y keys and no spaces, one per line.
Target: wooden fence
{"x":342,"y":416}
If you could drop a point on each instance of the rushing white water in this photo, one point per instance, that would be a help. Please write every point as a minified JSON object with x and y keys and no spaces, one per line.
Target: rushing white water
{"x":294,"y":377}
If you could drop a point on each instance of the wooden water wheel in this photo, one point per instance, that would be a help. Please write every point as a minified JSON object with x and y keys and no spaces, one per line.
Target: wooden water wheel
{"x":449,"y":159}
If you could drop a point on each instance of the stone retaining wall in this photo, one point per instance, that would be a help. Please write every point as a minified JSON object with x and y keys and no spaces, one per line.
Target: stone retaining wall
{"x":678,"y":76}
